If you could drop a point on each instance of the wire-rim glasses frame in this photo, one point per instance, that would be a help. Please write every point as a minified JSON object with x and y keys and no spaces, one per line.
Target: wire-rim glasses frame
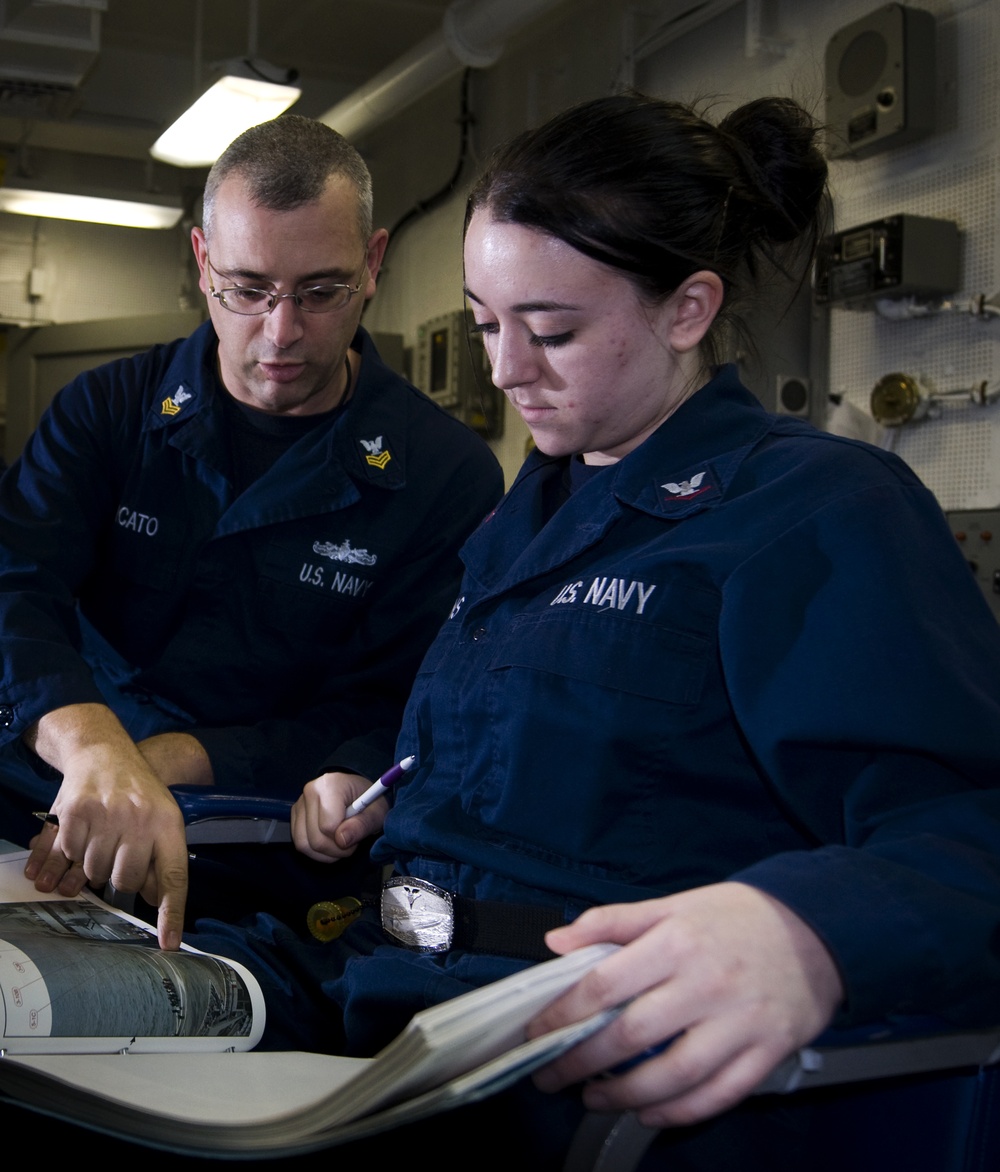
{"x":249,"y":301}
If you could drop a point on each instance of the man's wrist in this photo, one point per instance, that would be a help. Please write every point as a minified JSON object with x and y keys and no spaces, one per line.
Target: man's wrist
{"x":65,"y":732}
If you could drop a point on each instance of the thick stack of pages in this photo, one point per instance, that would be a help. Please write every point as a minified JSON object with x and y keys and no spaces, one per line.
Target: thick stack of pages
{"x":104,"y":1029}
{"x":101,"y":1028}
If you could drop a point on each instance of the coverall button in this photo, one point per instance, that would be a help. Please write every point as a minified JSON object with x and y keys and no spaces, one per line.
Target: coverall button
{"x":6,"y":715}
{"x":478,"y":633}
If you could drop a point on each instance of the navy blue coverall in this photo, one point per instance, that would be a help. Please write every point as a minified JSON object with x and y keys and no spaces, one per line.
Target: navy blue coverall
{"x":282,"y":626}
{"x":749,"y":650}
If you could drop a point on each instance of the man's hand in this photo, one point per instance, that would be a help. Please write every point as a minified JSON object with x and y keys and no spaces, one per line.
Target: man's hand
{"x":734,"y":977}
{"x":318,"y":826}
{"x":117,"y":819}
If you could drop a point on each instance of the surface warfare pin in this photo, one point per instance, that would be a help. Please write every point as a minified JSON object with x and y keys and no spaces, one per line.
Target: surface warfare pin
{"x":176,"y":401}
{"x":374,"y":454}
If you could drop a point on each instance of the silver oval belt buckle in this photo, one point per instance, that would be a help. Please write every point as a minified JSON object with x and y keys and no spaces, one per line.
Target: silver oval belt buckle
{"x":418,"y":914}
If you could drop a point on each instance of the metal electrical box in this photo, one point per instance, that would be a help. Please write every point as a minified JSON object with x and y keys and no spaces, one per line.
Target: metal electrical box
{"x":977,"y":532}
{"x":900,"y":256}
{"x":450,"y":367}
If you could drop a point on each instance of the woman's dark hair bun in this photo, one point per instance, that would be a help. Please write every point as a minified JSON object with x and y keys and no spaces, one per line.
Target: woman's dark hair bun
{"x":775,"y":140}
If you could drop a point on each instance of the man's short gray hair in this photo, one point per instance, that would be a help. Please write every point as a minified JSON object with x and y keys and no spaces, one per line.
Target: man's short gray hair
{"x":286,"y":163}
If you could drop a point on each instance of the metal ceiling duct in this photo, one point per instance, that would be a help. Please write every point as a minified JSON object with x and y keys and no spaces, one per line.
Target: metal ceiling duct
{"x":46,"y":50}
{"x":472,"y":34}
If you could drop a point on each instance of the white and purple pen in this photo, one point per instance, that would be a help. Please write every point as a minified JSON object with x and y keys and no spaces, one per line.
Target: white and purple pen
{"x":378,"y":788}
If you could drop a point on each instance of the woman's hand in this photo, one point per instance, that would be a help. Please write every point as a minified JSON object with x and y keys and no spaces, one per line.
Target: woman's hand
{"x":319,"y":828}
{"x":732,"y":978}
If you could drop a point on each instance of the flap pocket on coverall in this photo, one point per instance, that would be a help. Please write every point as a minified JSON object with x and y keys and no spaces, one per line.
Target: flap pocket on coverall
{"x":611,"y":650}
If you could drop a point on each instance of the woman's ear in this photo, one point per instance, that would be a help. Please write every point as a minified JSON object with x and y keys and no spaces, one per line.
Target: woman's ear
{"x":695,"y":303}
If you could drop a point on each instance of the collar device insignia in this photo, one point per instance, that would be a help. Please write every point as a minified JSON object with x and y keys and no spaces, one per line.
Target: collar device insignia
{"x":687,"y":491}
{"x":173,"y":405}
{"x":374,"y":455}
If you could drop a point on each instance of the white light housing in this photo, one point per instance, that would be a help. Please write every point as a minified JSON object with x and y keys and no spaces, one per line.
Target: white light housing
{"x":233,"y":104}
{"x":94,"y":209}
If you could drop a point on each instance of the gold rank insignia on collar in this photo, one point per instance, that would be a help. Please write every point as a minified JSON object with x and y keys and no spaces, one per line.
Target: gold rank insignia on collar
{"x":173,"y":405}
{"x":374,"y":455}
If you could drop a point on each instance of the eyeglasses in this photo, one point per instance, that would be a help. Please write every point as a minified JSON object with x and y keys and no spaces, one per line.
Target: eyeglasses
{"x":251,"y":302}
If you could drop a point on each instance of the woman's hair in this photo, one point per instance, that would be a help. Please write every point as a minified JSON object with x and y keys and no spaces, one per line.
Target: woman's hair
{"x":655,"y":190}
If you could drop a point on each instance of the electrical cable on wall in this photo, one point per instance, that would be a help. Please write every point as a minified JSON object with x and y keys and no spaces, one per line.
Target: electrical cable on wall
{"x":432,"y":201}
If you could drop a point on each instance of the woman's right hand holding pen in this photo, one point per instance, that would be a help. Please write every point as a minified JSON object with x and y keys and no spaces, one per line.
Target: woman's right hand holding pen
{"x":319,"y":827}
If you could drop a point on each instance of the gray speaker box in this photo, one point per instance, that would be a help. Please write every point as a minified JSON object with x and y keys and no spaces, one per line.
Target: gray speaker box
{"x":880,"y":89}
{"x":792,"y":396}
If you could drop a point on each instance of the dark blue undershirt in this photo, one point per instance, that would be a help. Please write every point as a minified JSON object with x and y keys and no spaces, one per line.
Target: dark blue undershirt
{"x":258,"y":439}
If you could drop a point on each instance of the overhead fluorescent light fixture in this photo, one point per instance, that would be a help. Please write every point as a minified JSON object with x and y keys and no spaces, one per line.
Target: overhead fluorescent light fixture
{"x":244,"y":97}
{"x":92,"y":208}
